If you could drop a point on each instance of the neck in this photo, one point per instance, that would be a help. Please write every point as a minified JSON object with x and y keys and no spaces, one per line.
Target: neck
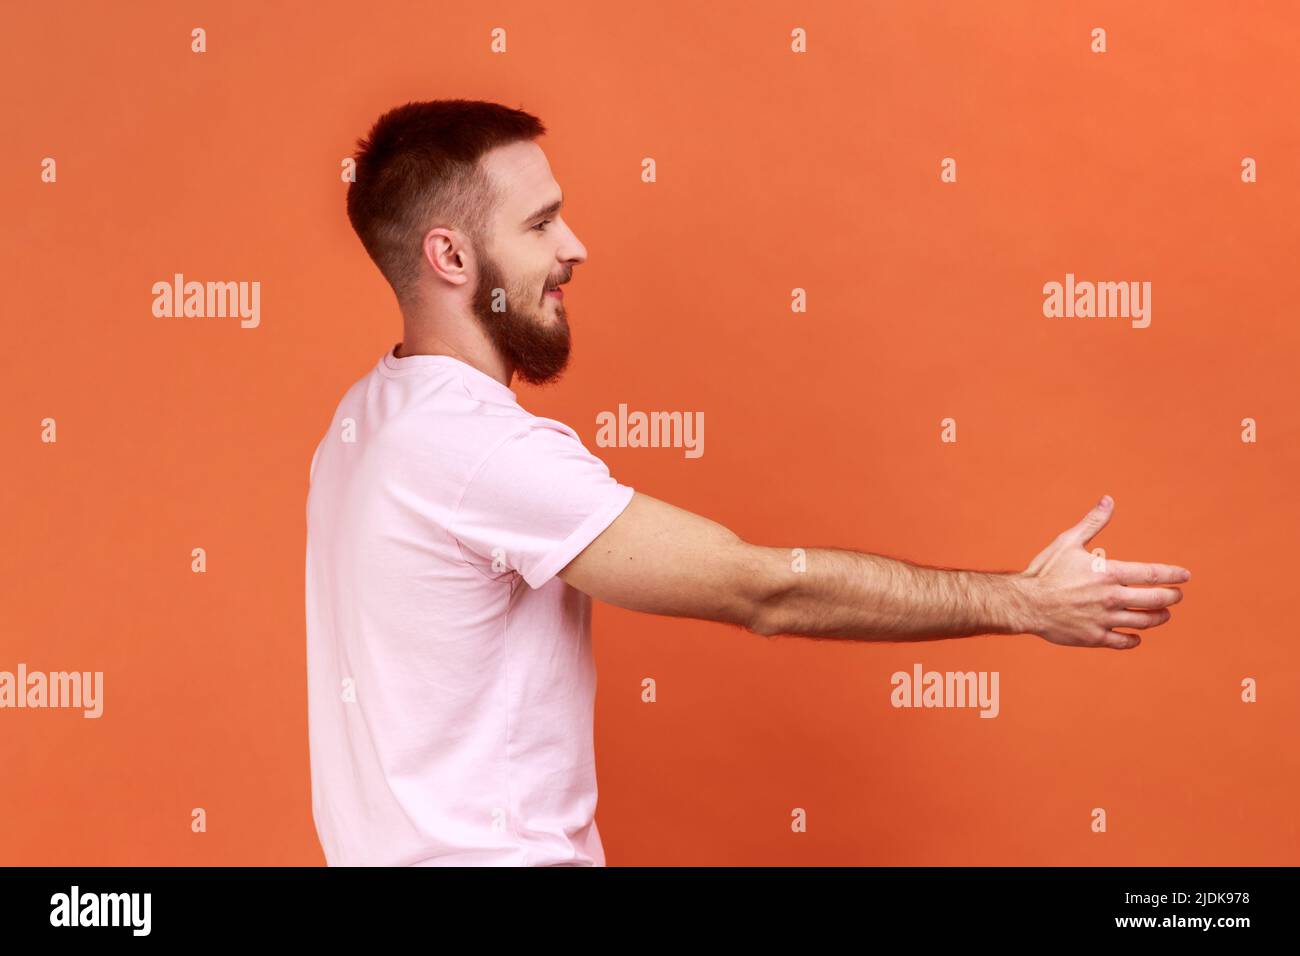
{"x":421,"y":336}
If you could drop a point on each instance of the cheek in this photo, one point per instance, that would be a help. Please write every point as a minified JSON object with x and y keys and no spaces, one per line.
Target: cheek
{"x":532,"y":271}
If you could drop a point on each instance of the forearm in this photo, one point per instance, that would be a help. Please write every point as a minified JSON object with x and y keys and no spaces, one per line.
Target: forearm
{"x":836,"y":593}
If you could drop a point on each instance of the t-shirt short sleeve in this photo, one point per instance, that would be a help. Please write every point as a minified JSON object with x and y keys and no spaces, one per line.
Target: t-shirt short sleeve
{"x":536,"y":500}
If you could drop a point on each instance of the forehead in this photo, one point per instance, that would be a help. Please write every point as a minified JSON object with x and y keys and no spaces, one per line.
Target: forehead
{"x":522,"y":177}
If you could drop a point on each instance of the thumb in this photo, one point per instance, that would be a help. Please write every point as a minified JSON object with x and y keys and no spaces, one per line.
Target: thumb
{"x":1093,"y":521}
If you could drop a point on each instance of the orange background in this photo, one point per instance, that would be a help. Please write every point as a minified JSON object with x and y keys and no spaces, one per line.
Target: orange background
{"x":775,"y":171}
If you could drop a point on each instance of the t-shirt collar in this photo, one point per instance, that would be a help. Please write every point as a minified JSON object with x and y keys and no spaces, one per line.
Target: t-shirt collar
{"x":480,"y":380}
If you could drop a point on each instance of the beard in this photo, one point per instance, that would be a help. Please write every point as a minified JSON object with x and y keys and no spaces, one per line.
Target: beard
{"x":536,"y":345}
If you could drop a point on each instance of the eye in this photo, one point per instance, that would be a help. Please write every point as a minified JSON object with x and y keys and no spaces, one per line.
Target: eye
{"x":541,"y":226}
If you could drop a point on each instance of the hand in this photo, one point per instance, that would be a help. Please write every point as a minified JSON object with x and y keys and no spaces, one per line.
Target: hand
{"x":1077,"y":599}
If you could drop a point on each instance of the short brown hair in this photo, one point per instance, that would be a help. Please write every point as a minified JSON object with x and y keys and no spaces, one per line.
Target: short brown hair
{"x":419,"y":167}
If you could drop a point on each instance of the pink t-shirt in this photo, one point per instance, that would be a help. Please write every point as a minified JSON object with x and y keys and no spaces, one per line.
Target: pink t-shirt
{"x":451,"y":685}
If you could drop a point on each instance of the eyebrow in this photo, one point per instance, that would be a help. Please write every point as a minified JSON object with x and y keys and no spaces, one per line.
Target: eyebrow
{"x":545,"y":211}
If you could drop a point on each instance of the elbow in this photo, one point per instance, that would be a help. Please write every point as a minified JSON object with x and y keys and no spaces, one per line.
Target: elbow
{"x":764,"y":623}
{"x":767,"y":584}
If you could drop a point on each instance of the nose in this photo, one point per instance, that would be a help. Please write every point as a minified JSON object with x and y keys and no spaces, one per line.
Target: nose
{"x":573,"y":252}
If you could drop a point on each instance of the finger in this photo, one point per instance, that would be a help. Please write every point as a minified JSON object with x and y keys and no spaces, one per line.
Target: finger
{"x":1142,"y":572}
{"x":1148,"y":597}
{"x":1093,"y":521}
{"x":1138,"y":620}
{"x":1121,"y":642}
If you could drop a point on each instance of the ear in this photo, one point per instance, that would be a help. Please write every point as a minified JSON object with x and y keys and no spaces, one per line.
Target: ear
{"x":447,"y":254}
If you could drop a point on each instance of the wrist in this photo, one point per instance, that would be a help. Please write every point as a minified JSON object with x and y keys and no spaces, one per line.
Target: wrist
{"x":1021,"y":605}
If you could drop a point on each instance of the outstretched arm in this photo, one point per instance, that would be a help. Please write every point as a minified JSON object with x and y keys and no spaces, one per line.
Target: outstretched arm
{"x":661,"y":559}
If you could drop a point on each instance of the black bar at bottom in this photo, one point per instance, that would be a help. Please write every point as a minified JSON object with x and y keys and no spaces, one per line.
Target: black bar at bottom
{"x":860,"y":905}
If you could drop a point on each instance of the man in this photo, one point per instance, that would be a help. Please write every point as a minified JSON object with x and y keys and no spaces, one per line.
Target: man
{"x":455,"y":540}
